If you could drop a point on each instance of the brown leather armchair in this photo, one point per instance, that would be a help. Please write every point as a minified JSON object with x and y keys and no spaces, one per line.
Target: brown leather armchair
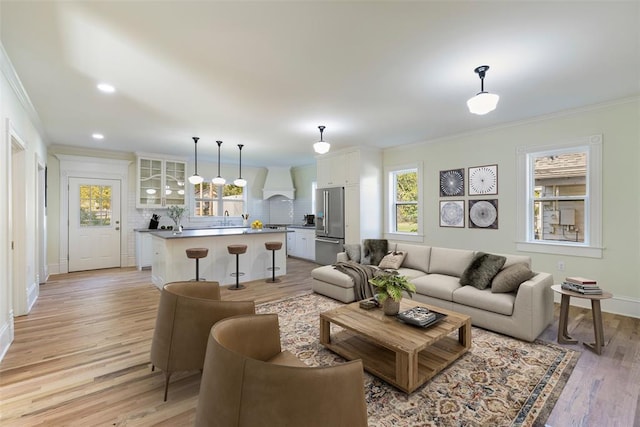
{"x":249,"y":381}
{"x":186,"y":313}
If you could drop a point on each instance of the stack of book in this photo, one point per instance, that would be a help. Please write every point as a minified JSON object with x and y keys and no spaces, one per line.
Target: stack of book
{"x":419,"y":316}
{"x":581,"y":285}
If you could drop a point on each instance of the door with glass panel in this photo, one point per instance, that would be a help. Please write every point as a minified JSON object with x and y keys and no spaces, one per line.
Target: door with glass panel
{"x":94,"y":224}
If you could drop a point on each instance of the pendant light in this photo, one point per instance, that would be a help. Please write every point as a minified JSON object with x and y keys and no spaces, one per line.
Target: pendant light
{"x":218,"y":180}
{"x":483,"y":102}
{"x":321,"y":147}
{"x":195,"y":178}
{"x":240,"y":182}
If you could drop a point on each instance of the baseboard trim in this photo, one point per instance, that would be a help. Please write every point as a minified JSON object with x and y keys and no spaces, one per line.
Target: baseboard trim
{"x":624,"y":306}
{"x":6,"y":335}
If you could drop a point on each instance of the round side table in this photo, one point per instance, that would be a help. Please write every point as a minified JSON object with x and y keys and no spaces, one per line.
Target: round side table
{"x":563,"y":336}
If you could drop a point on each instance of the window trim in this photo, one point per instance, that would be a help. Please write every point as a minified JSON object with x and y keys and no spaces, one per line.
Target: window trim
{"x":592,"y":247}
{"x":389,"y":229}
{"x":201,"y":219}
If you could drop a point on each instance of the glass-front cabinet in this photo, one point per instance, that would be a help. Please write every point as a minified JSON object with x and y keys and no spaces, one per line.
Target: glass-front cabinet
{"x":161,"y":182}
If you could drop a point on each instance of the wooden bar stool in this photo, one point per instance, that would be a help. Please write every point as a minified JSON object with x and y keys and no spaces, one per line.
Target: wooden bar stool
{"x":237,"y":250}
{"x":197,"y":253}
{"x":273,"y":247}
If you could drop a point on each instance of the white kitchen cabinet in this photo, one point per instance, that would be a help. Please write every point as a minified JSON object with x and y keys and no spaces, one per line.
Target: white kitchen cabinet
{"x":303,"y":243}
{"x":144,"y":249}
{"x":330,"y":170}
{"x":161,"y":182}
{"x":291,"y":243}
{"x":361,"y":175}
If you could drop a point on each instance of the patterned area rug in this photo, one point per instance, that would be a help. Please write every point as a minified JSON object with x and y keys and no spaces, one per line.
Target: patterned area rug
{"x":501,"y":381}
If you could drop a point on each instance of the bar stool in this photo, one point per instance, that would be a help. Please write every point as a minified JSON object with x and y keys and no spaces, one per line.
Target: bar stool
{"x":273,"y":247}
{"x":197,"y":253}
{"x":237,"y":250}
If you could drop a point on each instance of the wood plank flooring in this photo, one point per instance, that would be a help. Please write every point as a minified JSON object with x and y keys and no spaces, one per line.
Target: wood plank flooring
{"x":81,"y":357}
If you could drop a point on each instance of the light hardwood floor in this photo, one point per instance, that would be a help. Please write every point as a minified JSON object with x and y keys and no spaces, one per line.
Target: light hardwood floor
{"x":81,"y":357}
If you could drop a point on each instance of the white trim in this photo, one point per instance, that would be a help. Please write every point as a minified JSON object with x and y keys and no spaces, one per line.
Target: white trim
{"x":92,"y":167}
{"x":593,"y":217}
{"x":6,"y":334}
{"x":388,"y":227}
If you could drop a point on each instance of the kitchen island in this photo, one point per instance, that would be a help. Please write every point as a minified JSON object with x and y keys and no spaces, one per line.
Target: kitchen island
{"x":170,"y":262}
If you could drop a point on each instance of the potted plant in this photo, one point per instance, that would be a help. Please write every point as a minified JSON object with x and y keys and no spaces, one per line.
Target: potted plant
{"x":175,"y":213}
{"x":389,"y":286}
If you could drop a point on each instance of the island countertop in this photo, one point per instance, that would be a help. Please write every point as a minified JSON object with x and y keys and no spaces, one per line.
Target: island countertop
{"x":212,"y":232}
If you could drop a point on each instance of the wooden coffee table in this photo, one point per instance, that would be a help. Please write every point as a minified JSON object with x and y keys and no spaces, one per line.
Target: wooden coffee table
{"x":403,"y":355}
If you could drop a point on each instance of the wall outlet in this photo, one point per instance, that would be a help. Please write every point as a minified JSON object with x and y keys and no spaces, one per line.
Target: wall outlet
{"x":560,"y":265}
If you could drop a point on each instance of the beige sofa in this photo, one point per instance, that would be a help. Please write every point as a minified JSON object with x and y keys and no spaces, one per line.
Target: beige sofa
{"x":436,"y":271}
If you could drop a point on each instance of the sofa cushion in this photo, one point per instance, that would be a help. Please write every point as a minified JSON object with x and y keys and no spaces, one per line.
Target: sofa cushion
{"x":373,"y":250}
{"x":392,"y":260}
{"x":417,"y":256}
{"x":330,"y":275}
{"x":438,"y":286}
{"x":451,"y":262}
{"x":485,"y":300}
{"x":509,"y":279}
{"x":481,"y":270}
{"x":410,"y":273}
{"x":353,"y":251}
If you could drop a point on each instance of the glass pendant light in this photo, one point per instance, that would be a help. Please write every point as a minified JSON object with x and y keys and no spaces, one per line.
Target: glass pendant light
{"x":218,"y":180}
{"x":195,"y":178}
{"x":240,"y":182}
{"x":321,"y":147}
{"x":483,"y":102}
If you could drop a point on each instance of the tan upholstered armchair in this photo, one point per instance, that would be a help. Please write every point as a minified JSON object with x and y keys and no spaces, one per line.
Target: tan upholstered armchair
{"x":249,"y":381}
{"x":186,"y":313}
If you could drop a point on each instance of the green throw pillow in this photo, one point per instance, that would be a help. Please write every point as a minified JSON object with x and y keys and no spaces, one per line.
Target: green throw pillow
{"x":482,"y":269}
{"x":509,"y":279}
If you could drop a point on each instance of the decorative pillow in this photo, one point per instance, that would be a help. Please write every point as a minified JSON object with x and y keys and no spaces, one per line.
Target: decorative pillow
{"x":509,"y":279}
{"x":373,"y":250}
{"x":392,"y":260}
{"x":482,"y":269}
{"x":353,"y":252}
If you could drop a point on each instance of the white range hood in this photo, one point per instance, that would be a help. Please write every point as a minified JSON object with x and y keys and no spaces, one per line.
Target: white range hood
{"x":278,"y":183}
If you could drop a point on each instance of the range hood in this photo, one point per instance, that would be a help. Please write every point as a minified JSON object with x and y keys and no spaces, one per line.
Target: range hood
{"x":278,"y":183}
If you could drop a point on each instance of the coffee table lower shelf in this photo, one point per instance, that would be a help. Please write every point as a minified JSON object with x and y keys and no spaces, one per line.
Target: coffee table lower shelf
{"x":381,"y":361}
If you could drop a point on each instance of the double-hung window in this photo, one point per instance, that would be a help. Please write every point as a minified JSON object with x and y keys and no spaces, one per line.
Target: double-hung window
{"x":403,"y":207}
{"x":560,"y":198}
{"x":213,"y":200}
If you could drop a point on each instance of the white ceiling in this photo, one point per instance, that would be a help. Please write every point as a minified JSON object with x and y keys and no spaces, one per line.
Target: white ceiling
{"x":266,"y":74}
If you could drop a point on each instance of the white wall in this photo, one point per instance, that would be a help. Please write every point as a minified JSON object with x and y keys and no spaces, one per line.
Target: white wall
{"x":18,"y":117}
{"x":618,"y":122}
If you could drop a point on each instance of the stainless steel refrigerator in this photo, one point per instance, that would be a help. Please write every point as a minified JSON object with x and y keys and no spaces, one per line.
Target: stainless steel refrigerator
{"x":329,"y":224}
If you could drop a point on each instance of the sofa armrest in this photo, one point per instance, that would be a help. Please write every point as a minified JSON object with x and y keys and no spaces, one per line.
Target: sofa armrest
{"x":535,"y":300}
{"x":342,"y":257}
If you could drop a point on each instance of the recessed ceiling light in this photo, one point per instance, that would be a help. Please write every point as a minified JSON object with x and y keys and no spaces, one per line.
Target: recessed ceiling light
{"x":106,"y":88}
{"x":98,"y":136}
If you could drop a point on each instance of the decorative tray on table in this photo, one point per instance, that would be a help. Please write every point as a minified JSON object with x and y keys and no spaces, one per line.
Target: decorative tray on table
{"x":420,"y":316}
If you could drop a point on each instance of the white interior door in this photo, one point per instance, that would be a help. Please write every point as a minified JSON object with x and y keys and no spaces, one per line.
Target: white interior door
{"x":94,"y":223}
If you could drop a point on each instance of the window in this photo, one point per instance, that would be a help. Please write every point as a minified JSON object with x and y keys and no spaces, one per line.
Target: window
{"x":210,"y":201}
{"x":560,"y":200}
{"x":404,"y":196}
{"x":95,"y":205}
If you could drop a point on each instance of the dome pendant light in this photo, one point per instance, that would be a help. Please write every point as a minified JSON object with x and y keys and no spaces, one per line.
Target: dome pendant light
{"x":195,"y":178}
{"x":218,"y":180}
{"x":321,"y":147}
{"x":240,"y":182}
{"x":483,"y":102}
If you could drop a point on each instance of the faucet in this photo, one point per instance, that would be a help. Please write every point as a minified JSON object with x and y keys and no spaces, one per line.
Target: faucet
{"x":226,"y":215}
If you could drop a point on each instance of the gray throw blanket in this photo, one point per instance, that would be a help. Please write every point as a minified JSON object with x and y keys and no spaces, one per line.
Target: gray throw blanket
{"x":360,"y":275}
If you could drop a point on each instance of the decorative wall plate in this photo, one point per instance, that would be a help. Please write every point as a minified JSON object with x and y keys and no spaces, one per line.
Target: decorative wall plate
{"x":452,"y":213}
{"x":483,"y":213}
{"x":483,"y":180}
{"x":452,"y":183}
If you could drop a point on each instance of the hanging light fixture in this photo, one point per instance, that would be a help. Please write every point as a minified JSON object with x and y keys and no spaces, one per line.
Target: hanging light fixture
{"x":483,"y":102}
{"x":195,"y":178}
{"x":240,"y":182}
{"x":321,"y":147}
{"x":218,"y":180}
